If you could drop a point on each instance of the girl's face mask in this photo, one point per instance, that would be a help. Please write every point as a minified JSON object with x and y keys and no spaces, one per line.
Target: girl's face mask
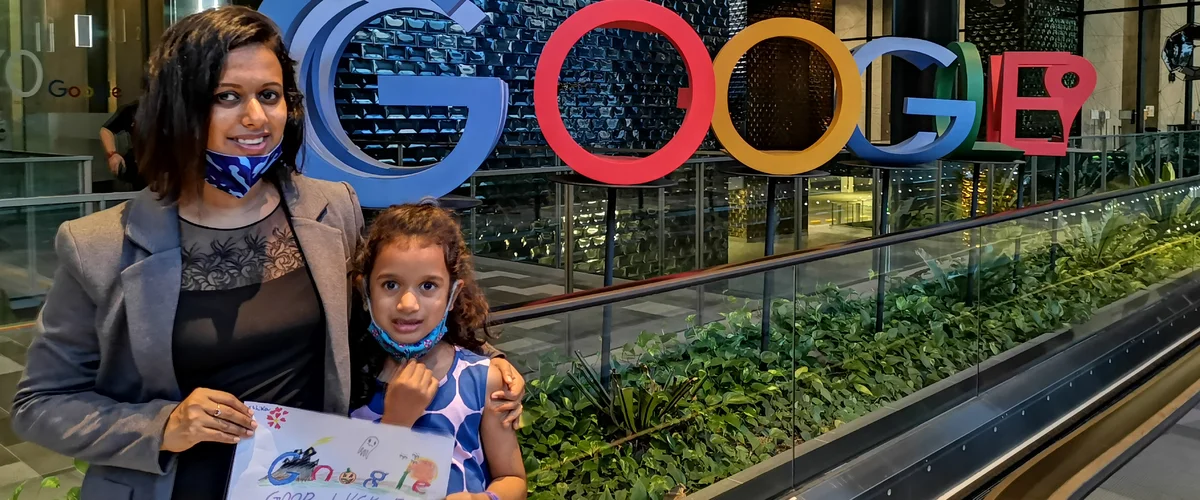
{"x":402,"y":352}
{"x":237,"y":174}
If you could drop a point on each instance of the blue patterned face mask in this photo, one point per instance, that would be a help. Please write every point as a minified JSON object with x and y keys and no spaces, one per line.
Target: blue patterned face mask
{"x":416,"y":349}
{"x":237,"y":174}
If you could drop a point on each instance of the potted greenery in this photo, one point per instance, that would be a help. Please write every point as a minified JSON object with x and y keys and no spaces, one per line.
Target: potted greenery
{"x":53,"y":482}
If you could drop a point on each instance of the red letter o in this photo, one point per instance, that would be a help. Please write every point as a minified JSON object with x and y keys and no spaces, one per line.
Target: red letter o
{"x":700,"y":99}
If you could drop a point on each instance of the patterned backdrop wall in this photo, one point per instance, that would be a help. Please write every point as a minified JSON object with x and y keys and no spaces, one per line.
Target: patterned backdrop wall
{"x":790,"y":86}
{"x":1026,"y":25}
{"x":619,"y":91}
{"x":619,"y":88}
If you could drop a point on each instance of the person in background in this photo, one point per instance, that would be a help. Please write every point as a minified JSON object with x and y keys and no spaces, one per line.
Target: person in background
{"x":223,"y":282}
{"x":122,"y":164}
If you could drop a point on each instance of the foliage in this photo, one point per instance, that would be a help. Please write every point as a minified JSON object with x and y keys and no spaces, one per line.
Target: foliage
{"x":53,"y":482}
{"x":631,"y":408}
{"x":828,"y":364}
{"x":1143,"y":174}
{"x":1173,"y":209}
{"x":1115,"y":239}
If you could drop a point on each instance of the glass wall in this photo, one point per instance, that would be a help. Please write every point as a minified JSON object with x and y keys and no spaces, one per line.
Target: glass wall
{"x":69,"y":64}
{"x":1135,"y":91}
{"x":711,"y":216}
{"x":747,"y":389}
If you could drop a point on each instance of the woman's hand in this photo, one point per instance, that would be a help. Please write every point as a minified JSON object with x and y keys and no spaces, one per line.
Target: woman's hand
{"x":207,"y":415}
{"x":509,"y":400}
{"x":409,"y":393}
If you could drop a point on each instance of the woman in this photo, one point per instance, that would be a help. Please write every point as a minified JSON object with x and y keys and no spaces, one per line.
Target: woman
{"x":209,"y":289}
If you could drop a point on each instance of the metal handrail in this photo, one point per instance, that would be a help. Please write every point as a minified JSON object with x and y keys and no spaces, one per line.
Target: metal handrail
{"x":520,"y":171}
{"x":665,"y":284}
{"x":1138,"y":134}
{"x":65,"y":199}
{"x":36,"y":157}
{"x":564,"y":168}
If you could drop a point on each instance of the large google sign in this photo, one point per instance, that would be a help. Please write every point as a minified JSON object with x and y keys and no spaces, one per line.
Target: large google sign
{"x":319,"y":30}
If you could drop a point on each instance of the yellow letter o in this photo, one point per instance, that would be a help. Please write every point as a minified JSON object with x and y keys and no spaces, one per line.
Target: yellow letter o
{"x":846,"y":110}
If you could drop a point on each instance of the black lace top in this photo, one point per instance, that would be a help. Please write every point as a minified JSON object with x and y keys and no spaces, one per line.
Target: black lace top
{"x":248,"y":323}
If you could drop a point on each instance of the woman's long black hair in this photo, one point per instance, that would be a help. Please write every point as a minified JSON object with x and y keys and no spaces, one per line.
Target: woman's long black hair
{"x":183,"y":72}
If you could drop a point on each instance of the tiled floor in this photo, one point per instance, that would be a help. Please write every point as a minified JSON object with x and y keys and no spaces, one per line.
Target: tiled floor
{"x":24,"y":462}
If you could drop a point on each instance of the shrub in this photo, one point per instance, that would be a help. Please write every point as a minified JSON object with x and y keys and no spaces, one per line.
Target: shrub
{"x":828,"y":364}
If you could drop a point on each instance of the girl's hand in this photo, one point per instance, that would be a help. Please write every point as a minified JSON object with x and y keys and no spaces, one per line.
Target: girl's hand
{"x":509,"y":400}
{"x":207,"y":416}
{"x":409,"y":393}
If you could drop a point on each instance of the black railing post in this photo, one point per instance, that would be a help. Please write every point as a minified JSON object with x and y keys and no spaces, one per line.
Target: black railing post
{"x":610,"y":248}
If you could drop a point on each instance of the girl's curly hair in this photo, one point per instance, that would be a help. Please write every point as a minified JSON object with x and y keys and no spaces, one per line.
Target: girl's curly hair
{"x":416,"y":224}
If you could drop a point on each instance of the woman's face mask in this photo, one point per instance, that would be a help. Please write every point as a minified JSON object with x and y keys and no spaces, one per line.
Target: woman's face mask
{"x":235,"y":175}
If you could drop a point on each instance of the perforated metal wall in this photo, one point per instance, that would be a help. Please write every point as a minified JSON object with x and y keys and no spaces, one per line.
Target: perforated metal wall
{"x":619,"y":91}
{"x":790,"y":86}
{"x":1028,"y":25}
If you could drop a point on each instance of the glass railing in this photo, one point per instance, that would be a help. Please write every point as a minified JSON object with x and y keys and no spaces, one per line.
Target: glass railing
{"x":27,"y":259}
{"x":708,"y":218}
{"x":711,"y":217}
{"x":25,"y":174}
{"x":692,"y":384}
{"x":708,"y":385}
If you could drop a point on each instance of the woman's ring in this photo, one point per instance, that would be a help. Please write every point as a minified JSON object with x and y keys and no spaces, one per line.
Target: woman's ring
{"x":218,"y":413}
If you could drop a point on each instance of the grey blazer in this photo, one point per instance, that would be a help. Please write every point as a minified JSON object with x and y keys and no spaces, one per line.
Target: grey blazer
{"x":99,"y":382}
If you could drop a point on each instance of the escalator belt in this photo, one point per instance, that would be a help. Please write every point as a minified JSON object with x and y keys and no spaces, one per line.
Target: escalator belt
{"x":1069,"y":468}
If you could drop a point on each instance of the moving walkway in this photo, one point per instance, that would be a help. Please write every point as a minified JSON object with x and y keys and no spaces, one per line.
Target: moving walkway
{"x":950,"y":365}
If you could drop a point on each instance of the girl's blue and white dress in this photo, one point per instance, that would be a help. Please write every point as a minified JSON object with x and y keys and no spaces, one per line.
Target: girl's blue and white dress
{"x":457,"y":410}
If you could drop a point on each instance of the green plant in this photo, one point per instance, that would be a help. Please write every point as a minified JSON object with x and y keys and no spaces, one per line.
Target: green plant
{"x":908,"y":217}
{"x":1171,"y":210}
{"x":1115,"y":238}
{"x":827,"y":364}
{"x":1144,"y":176}
{"x":633,"y":409}
{"x":53,"y":482}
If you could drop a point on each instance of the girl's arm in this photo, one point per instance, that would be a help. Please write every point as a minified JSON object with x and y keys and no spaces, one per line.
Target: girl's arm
{"x":501,"y":450}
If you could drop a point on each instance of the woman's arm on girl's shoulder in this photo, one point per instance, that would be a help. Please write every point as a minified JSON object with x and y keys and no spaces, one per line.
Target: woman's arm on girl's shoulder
{"x":500,"y":447}
{"x":507,"y":398}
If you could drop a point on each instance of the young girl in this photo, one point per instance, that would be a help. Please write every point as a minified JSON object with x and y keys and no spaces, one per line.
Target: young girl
{"x":427,"y":316}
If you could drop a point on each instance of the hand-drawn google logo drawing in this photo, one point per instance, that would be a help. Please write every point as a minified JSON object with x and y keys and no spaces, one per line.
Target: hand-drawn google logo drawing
{"x":317,"y":33}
